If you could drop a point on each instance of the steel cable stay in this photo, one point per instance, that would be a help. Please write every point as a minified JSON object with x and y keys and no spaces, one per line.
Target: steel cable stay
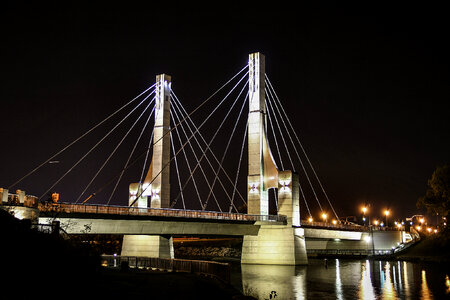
{"x":200,"y":166}
{"x":183,"y":111}
{"x":277,"y":102}
{"x":94,"y":147}
{"x":269,"y":113}
{"x":131,"y":153}
{"x":301,"y":162}
{"x":188,"y":116}
{"x":274,"y":137}
{"x":229,"y":142}
{"x":111,"y":179}
{"x":147,"y":152}
{"x":177,"y":171}
{"x":114,"y":150}
{"x":269,"y":101}
{"x":220,"y":165}
{"x":239,"y":167}
{"x":175,"y":118}
{"x":215,"y":134}
{"x":81,"y":137}
{"x":269,"y":110}
{"x":212,"y":153}
{"x":197,"y":160}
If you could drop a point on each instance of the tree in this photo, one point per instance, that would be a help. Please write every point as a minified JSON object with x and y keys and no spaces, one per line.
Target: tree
{"x":437,"y":196}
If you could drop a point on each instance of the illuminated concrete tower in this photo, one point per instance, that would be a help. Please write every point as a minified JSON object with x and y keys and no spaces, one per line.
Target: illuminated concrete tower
{"x":262,"y":171}
{"x":154,"y":192}
{"x":159,"y":170}
{"x":276,"y":243}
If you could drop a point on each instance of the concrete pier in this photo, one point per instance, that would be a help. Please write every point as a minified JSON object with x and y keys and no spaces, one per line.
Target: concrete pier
{"x":275,"y":245}
{"x":148,"y":246}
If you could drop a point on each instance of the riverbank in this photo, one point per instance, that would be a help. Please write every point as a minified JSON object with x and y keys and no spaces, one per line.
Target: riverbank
{"x":431,"y":248}
{"x":45,"y":266}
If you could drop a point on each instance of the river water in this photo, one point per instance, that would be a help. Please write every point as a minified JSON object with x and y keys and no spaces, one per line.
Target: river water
{"x":344,"y":279}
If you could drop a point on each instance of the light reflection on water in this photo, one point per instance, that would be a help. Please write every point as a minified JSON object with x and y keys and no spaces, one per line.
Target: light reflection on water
{"x":346,"y":279}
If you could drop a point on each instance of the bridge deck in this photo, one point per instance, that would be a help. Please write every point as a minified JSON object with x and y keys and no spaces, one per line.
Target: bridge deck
{"x":69,"y":208}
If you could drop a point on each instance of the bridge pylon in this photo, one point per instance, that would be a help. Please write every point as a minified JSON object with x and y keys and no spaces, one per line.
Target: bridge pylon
{"x":262,"y":171}
{"x":154,"y":192}
{"x":281,"y":244}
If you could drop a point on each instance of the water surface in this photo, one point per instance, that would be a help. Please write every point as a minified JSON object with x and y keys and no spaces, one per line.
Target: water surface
{"x":344,"y":279}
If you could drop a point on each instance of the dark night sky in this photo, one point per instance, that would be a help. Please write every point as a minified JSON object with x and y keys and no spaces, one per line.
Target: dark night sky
{"x":366,"y":85}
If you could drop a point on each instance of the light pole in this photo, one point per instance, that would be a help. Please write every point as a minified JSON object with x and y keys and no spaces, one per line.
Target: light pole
{"x":324,"y":217}
{"x":386,"y":213}
{"x":364,"y":210}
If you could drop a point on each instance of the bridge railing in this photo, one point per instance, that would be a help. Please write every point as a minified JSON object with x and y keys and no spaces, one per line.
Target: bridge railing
{"x":216,"y":269}
{"x":155,"y":212}
{"x":348,"y":252}
{"x":305,"y":223}
{"x":326,"y":225}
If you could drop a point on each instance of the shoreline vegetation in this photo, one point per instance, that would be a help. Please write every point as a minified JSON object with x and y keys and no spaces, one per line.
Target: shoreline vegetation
{"x":431,"y":248}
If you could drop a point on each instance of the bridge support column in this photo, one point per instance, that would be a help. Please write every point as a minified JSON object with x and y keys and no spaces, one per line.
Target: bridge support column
{"x":147,"y":246}
{"x":275,"y":245}
{"x":279,"y":244}
{"x":154,"y":192}
{"x":289,"y":196}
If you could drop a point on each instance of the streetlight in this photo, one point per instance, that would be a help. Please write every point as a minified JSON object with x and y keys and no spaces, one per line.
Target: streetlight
{"x":364,"y":210}
{"x":324,"y":217}
{"x":386,"y":213}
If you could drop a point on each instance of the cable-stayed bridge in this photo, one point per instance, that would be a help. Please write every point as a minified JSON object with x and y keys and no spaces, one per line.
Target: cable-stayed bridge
{"x":234,"y":165}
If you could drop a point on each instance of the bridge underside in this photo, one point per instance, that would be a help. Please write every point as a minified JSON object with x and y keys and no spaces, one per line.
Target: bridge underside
{"x":264,"y":242}
{"x":153,"y":227}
